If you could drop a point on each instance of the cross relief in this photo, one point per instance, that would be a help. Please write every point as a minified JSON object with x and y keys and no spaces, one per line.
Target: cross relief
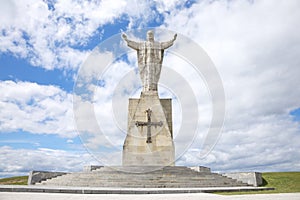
{"x":149,"y":123}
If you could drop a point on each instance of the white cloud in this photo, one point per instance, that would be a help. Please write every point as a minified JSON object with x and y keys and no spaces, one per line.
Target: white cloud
{"x":36,"y":109}
{"x":22,"y":161}
{"x":97,"y":122}
{"x":46,"y":37}
{"x":7,"y":12}
{"x":270,"y":145}
{"x":49,"y":35}
{"x":167,"y":5}
{"x":255,"y":46}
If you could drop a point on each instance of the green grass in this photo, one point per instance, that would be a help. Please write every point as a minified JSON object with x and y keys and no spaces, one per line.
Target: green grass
{"x":17,"y":180}
{"x":283,"y":182}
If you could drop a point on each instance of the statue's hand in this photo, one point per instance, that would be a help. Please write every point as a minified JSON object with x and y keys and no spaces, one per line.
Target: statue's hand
{"x":124,"y":36}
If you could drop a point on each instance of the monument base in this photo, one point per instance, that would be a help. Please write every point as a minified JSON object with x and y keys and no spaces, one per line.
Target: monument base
{"x":149,"y":140}
{"x":141,"y":177}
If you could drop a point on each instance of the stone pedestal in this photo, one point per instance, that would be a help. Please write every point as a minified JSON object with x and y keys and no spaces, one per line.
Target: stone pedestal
{"x":139,"y":149}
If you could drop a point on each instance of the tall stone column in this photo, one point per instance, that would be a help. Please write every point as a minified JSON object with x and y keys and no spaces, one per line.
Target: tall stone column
{"x":149,"y":140}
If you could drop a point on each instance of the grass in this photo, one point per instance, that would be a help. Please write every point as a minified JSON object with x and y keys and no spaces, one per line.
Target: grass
{"x":17,"y":180}
{"x":283,"y":182}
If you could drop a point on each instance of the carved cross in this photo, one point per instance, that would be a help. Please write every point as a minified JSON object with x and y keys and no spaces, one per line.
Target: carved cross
{"x":148,"y":124}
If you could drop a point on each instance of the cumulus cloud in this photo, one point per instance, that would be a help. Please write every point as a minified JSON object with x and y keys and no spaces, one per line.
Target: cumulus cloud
{"x":49,"y":34}
{"x":21,"y":161}
{"x":35,"y":108}
{"x":255,"y":46}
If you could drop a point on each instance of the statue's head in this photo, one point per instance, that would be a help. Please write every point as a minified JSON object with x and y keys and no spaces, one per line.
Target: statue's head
{"x":150,"y":36}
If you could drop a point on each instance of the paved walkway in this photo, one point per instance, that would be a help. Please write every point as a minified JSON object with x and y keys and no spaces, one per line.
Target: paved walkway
{"x":198,"y":196}
{"x":115,"y":190}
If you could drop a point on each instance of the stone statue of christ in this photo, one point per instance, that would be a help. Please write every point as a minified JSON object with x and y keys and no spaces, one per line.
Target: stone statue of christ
{"x":150,"y":55}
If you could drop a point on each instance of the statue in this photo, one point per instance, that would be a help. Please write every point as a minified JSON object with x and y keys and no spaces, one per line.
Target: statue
{"x":150,"y":55}
{"x":149,"y":140}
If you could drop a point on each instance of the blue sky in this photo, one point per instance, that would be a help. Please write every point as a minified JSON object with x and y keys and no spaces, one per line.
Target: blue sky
{"x":253,"y":44}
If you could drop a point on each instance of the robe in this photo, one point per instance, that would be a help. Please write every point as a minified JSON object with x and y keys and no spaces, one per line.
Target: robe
{"x":150,"y":57}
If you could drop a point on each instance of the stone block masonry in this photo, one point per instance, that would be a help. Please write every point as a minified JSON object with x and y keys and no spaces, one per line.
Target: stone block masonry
{"x":149,"y":140}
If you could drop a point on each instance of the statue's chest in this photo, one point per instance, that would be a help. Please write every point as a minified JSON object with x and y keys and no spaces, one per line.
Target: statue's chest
{"x":150,"y":46}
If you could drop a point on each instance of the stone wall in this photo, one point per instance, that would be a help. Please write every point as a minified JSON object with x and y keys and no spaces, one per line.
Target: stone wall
{"x":200,"y":169}
{"x":38,"y":176}
{"x":251,"y":178}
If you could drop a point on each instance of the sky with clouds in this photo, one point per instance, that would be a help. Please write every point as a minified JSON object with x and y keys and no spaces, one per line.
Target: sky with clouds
{"x":48,"y":46}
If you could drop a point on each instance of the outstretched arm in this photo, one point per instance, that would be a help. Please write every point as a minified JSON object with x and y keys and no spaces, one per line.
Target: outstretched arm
{"x":167,"y":44}
{"x":130,"y":43}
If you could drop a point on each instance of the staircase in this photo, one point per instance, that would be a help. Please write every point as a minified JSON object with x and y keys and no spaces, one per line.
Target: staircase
{"x":166,"y":177}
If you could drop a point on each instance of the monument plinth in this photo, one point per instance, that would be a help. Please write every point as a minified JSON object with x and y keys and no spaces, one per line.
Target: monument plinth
{"x":149,"y":140}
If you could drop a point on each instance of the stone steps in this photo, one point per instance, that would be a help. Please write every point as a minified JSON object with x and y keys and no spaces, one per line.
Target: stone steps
{"x":157,"y":179}
{"x":145,"y":181}
{"x":87,"y":176}
{"x":170,"y":177}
